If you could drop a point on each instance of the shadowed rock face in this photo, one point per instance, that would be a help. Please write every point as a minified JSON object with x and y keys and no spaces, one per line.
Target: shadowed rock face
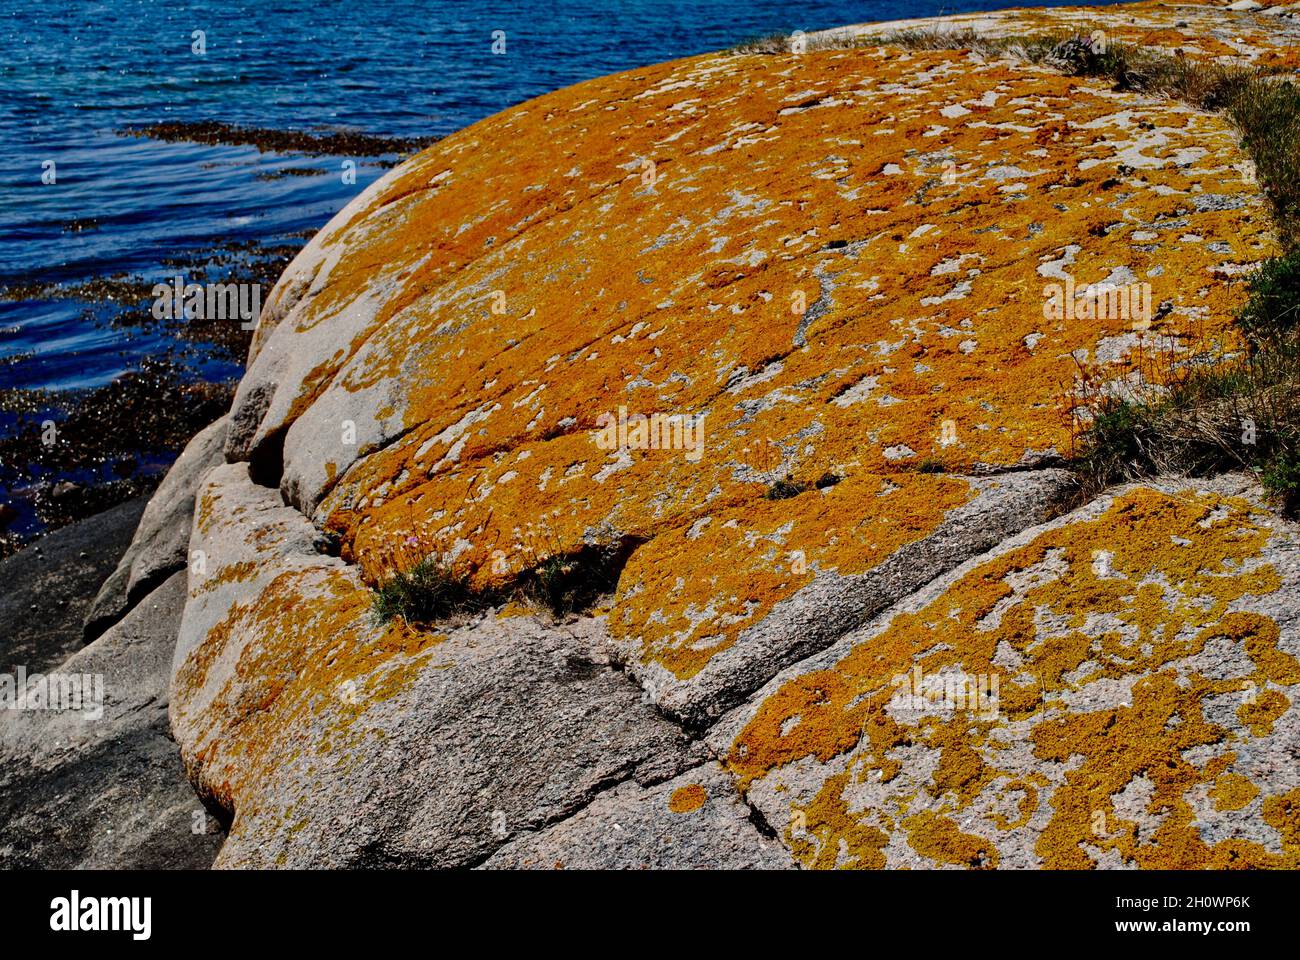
{"x":847,"y":291}
{"x":102,"y":787}
{"x":49,"y":587}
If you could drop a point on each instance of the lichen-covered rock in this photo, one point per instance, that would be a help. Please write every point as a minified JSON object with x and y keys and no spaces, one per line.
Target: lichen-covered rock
{"x":863,"y":297}
{"x":339,"y":742}
{"x":802,"y":578}
{"x":1116,"y":688}
{"x":781,"y":340}
{"x":866,"y":294}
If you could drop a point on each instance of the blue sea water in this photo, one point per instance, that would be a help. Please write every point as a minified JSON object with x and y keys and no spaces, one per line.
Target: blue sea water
{"x":74,"y":74}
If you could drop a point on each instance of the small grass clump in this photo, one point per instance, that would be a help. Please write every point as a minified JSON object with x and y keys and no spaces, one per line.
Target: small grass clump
{"x":1034,"y":48}
{"x":561,"y":584}
{"x":785,"y":489}
{"x":796,"y":43}
{"x":765,"y":45}
{"x":1211,"y":413}
{"x":430,"y":591}
{"x":1273,"y":310}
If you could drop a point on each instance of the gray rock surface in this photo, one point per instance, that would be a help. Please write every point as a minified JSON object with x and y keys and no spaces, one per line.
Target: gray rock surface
{"x":511,"y":725}
{"x":92,"y":789}
{"x":49,"y":586}
{"x":158,"y":548}
{"x":692,"y":822}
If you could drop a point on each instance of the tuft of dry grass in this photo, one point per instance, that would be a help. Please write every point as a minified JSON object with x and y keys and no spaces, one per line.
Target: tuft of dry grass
{"x":1210,"y":412}
{"x":433,"y":589}
{"x":429,"y":591}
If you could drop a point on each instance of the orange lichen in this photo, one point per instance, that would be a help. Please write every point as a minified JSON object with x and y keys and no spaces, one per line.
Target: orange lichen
{"x":689,"y":593}
{"x":1260,"y":710}
{"x":1232,"y":791}
{"x":921,"y":333}
{"x":825,"y":834}
{"x":1194,"y":30}
{"x":1131,"y":596}
{"x":1026,"y":805}
{"x":687,"y":799}
{"x":1282,"y":813}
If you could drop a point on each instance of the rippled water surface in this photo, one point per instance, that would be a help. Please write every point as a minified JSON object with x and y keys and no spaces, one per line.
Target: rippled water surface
{"x":72,"y":75}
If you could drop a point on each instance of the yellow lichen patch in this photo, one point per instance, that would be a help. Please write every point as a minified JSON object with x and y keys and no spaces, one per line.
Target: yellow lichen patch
{"x":1232,"y":791}
{"x":1025,"y":796}
{"x":938,"y":838}
{"x":687,"y":799}
{"x":1282,"y":813}
{"x":826,"y":835}
{"x":1095,"y":632}
{"x":308,"y":650}
{"x":1260,"y":710}
{"x":689,"y":593}
{"x":515,"y":608}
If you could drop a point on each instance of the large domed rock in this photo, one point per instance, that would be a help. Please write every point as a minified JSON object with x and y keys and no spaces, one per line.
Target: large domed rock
{"x":776,"y":351}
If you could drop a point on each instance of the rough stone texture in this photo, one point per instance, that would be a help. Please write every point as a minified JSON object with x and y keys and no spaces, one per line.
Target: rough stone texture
{"x":339,"y":742}
{"x":242,"y":538}
{"x":260,"y":407}
{"x":49,"y":586}
{"x":838,"y":263}
{"x":1145,"y":651}
{"x":1266,"y":37}
{"x":695,"y":671}
{"x":79,"y":791}
{"x":692,"y":822}
{"x":158,"y":548}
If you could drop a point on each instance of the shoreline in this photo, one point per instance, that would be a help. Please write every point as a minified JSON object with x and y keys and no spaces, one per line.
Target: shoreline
{"x":110,"y":444}
{"x":116,"y":440}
